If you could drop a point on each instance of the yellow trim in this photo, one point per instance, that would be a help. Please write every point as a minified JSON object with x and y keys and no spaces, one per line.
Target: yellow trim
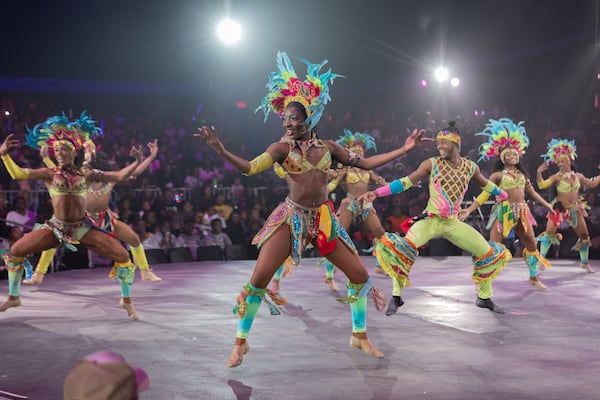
{"x":260,"y":164}
{"x":13,"y":169}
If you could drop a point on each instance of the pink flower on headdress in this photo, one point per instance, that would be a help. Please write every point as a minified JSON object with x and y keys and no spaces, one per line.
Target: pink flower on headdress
{"x":294,"y":87}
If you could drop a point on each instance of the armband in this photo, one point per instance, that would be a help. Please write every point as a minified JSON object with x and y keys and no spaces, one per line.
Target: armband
{"x":13,"y":169}
{"x":544,"y":184}
{"x":491,"y":188}
{"x":397,"y":186}
{"x":260,"y":163}
{"x":482,"y":198}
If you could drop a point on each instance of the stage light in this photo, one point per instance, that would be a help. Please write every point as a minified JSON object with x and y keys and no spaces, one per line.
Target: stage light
{"x":454,"y":82}
{"x":229,"y":31}
{"x":423,"y":83}
{"x":441,"y":74}
{"x":7,"y":113}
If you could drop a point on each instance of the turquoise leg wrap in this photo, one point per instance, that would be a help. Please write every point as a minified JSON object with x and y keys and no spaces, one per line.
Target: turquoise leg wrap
{"x":125,"y":275}
{"x":329,"y":270}
{"x":252,"y":307}
{"x":14,"y":282}
{"x":358,"y":309}
{"x":278,"y":273}
{"x":584,"y":253}
{"x":28,"y":269}
{"x":532,"y":262}
{"x":544,"y":245}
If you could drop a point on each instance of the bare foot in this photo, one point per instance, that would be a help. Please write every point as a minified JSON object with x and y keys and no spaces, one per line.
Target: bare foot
{"x":148,"y":275}
{"x":12,"y":301}
{"x":587,"y":268}
{"x":332,"y":284}
{"x":237,"y":354}
{"x":366,"y":346}
{"x":536,"y":282}
{"x":128,"y":306}
{"x":36,"y":279}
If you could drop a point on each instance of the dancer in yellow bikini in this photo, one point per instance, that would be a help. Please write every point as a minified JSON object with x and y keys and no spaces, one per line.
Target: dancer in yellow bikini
{"x":67,"y":184}
{"x":355,"y":182}
{"x":568,"y":208}
{"x":507,"y":142}
{"x":98,"y":211}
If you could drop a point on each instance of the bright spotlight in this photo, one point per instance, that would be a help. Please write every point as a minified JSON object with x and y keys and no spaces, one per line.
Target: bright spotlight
{"x":454,"y":82}
{"x":441,"y":74}
{"x":229,"y":31}
{"x":423,"y":83}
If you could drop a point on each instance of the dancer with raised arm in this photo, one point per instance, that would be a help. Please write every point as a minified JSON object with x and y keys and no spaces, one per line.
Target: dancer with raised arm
{"x":507,"y":142}
{"x":67,"y":184}
{"x":567,"y":206}
{"x":449,"y":178}
{"x":355,"y":182}
{"x":306,"y":216}
{"x":97,"y":209}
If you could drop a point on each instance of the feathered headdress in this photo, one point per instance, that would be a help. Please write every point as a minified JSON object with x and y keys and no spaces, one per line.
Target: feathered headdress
{"x":503,"y":134}
{"x":284,"y":86}
{"x":58,"y":130}
{"x":362,"y":141}
{"x":560,"y":148}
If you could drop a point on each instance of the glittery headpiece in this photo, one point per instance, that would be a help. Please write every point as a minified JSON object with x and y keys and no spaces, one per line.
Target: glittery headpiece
{"x":558,"y":148}
{"x":58,"y":130}
{"x":502,"y":134}
{"x":284,"y":86}
{"x":357,"y":141}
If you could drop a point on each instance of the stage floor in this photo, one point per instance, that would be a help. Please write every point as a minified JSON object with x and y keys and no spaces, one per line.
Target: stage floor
{"x":439,"y":345}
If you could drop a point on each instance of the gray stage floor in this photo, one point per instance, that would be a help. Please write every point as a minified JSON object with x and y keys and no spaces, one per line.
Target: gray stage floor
{"x":438,"y":346}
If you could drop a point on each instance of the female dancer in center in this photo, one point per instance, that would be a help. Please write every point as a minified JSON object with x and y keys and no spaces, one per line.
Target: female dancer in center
{"x":306,"y":216}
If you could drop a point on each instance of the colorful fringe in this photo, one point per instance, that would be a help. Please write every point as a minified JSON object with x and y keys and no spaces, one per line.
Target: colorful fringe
{"x":396,"y":255}
{"x":488,"y":266}
{"x":249,"y":290}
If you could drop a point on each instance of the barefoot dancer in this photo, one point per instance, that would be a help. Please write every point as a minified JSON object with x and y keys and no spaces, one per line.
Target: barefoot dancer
{"x":306,"y":216}
{"x":98,"y":211}
{"x":507,"y":141}
{"x":67,"y":185}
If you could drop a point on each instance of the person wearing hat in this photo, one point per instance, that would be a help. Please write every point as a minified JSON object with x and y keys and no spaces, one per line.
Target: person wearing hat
{"x":105,"y":375}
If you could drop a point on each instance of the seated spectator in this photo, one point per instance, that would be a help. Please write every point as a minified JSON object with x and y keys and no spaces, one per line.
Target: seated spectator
{"x":139,"y":227}
{"x":191,"y":238}
{"x":212,"y":214}
{"x":224,"y":210}
{"x":163,"y":238}
{"x":20,"y":216}
{"x":236,"y":230}
{"x":216,"y":237}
